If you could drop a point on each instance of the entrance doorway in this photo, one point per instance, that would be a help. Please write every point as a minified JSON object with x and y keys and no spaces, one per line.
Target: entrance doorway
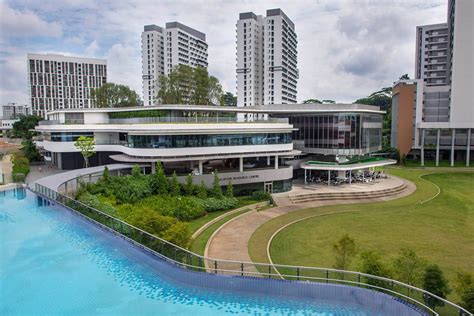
{"x":268,"y":187}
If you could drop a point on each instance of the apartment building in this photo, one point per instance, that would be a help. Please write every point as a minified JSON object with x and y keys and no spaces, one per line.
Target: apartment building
{"x":431,"y":64}
{"x":165,"y":48}
{"x":441,"y":112}
{"x":12,"y":110}
{"x":63,"y":82}
{"x":267,"y":71}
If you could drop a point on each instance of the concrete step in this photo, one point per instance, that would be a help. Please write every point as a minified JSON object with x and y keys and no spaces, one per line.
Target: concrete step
{"x":347,"y":195}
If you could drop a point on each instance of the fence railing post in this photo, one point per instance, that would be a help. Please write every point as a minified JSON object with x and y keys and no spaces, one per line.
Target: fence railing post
{"x":298,"y":273}
{"x":215,"y":266}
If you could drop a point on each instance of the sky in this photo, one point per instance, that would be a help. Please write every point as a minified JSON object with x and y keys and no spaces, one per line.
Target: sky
{"x":346,"y":49}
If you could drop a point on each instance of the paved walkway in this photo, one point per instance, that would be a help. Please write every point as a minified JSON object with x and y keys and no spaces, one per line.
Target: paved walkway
{"x":238,"y":232}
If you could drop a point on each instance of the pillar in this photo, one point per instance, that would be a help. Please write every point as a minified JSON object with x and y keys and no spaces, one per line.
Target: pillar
{"x":268,"y":161}
{"x":65,"y":188}
{"x":276,"y":162}
{"x":329,"y":177}
{"x":453,"y":137}
{"x":422,"y":147}
{"x":438,"y":134}
{"x":191,"y":165}
{"x":305,"y":176}
{"x":350,"y":176}
{"x":241,"y":164}
{"x":153,"y":167}
{"x":468,"y":149}
{"x":200,"y":167}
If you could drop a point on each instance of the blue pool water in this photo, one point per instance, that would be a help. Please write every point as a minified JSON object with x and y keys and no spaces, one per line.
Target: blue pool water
{"x":53,"y":262}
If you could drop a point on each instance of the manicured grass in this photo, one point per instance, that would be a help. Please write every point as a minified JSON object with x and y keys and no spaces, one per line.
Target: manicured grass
{"x":199,"y":244}
{"x":199,"y":222}
{"x":441,"y":230}
{"x":442,"y":163}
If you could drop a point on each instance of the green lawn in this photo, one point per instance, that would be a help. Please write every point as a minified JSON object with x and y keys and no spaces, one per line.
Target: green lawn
{"x":442,"y":163}
{"x":441,"y":230}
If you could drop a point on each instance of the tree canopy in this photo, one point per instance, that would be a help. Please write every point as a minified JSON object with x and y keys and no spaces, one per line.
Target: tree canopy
{"x":187,"y":85}
{"x":111,"y":95}
{"x":21,"y":128}
{"x":228,"y":99}
{"x":317,"y":101}
{"x":87,"y":147}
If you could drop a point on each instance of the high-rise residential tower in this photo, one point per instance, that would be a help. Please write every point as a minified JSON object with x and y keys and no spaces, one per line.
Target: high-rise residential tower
{"x":432,"y":54}
{"x":438,"y":103}
{"x":165,"y":48}
{"x":63,"y":82}
{"x":267,"y":70}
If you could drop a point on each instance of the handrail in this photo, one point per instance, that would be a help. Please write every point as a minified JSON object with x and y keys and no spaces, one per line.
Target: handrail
{"x":188,"y":259}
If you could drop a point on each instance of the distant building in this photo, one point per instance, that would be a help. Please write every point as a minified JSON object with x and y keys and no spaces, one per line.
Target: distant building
{"x":165,"y":48}
{"x":441,"y":111}
{"x":12,"y":111}
{"x":431,"y":64}
{"x":267,"y":71}
{"x":63,"y":82}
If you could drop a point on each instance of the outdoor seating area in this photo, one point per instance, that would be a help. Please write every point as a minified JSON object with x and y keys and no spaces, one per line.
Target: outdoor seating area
{"x":360,"y":176}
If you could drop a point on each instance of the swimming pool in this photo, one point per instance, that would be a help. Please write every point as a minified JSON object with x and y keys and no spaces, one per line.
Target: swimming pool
{"x":52,"y":261}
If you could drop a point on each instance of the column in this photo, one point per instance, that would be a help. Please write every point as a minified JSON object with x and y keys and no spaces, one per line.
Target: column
{"x":304,"y":176}
{"x":241,"y":164}
{"x":191,"y":165}
{"x":438,"y":134}
{"x":422,"y":146}
{"x":200,"y":167}
{"x":153,"y":167}
{"x":329,"y":177}
{"x":350,"y":176}
{"x":276,"y":162}
{"x":268,"y":161}
{"x":65,"y":188}
{"x":453,"y":137}
{"x":468,"y":149}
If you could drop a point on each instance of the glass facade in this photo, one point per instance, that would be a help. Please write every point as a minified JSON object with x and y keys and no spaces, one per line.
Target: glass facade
{"x":180,"y":141}
{"x":68,"y":136}
{"x":334,"y":132}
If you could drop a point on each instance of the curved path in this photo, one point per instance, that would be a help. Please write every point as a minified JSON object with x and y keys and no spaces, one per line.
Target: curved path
{"x":237,"y":232}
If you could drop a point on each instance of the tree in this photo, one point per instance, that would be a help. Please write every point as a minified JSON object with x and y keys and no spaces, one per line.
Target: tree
{"x":86,"y":145}
{"x":159,"y":183}
{"x":329,"y":101}
{"x":228,"y":99}
{"x":216,"y":187}
{"x":371,"y":263}
{"x":435,"y":282}
{"x":175,"y":188}
{"x":106,"y":174}
{"x":136,"y":172}
{"x":467,"y":299}
{"x":229,"y":192}
{"x":344,"y":250}
{"x":311,"y":101}
{"x":189,"y":186}
{"x":111,"y":95}
{"x":202,"y":191}
{"x":404,"y":77}
{"x":186,"y":85}
{"x":464,"y":288}
{"x":22,"y":128}
{"x":408,"y":267}
{"x":30,"y":150}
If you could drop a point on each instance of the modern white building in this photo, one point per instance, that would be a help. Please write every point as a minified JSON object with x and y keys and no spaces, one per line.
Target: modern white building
{"x":431,"y":64}
{"x":442,"y":116}
{"x":267,"y":71}
{"x":262,"y":152}
{"x":165,"y":48}
{"x":63,"y":82}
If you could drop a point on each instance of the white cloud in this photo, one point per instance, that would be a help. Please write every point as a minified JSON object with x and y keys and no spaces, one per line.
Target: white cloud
{"x":92,"y":49}
{"x":122,"y":65}
{"x":15,"y":23}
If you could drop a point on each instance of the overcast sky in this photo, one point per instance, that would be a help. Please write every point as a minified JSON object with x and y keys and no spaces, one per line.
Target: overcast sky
{"x":346,"y":49}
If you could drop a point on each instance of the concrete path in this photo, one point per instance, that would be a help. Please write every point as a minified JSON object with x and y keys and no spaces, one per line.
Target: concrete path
{"x":231,"y":241}
{"x":6,"y":168}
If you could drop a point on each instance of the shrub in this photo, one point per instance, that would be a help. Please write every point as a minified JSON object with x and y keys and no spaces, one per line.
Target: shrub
{"x":159,"y":183}
{"x":175,"y":187}
{"x":261,"y":196}
{"x":189,"y":186}
{"x":201,"y":191}
{"x":216,"y":187}
{"x":130,"y":189}
{"x":344,"y":250}
{"x":371,"y":263}
{"x":20,"y":168}
{"x":183,"y":208}
{"x":435,"y":282}
{"x":136,"y":172}
{"x":106,"y":174}
{"x":220,"y":204}
{"x":178,"y":234}
{"x":229,"y":192}
{"x":95,"y":202}
{"x":467,"y":298}
{"x":409,"y":267}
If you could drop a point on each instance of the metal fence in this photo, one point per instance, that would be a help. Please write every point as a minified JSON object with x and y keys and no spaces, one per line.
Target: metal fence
{"x":425,"y":301}
{"x":195,"y":119}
